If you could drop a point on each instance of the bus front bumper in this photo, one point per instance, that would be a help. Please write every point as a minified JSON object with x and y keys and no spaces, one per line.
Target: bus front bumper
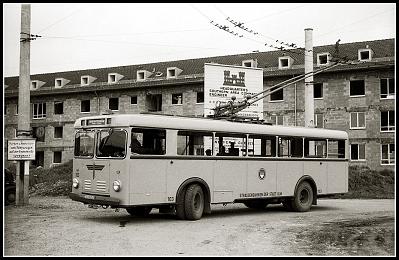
{"x":94,"y":199}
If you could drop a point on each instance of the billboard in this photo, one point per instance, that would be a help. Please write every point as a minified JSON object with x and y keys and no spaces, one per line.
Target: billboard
{"x":221,"y":82}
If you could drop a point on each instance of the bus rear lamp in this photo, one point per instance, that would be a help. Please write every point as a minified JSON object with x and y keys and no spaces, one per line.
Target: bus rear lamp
{"x":75,"y":183}
{"x":117,"y":185}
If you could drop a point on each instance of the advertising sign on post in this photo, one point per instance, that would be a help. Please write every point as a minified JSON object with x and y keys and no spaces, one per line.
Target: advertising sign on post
{"x":222,"y":82}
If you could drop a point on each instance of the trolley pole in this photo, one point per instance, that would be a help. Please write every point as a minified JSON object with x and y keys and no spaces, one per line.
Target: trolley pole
{"x":22,"y":174}
{"x":309,"y":102}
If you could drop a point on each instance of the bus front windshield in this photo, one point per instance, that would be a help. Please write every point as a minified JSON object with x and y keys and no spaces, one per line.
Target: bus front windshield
{"x":111,"y":143}
{"x":84,"y":144}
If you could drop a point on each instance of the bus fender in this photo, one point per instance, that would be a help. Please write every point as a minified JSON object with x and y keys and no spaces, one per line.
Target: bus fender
{"x":205,"y":188}
{"x":312,"y":184}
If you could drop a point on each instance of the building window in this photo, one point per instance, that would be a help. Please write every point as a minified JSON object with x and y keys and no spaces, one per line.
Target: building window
{"x":113,"y":104}
{"x":387,"y":88}
{"x":85,"y":106}
{"x":39,"y":110}
{"x":278,"y":95}
{"x":58,"y":83}
{"x":16,"y":109}
{"x":388,"y":154}
{"x":277,"y":120}
{"x":200,"y":97}
{"x":358,"y":152}
{"x":177,"y":99}
{"x":84,"y":80}
{"x":58,"y":108}
{"x":364,"y":55}
{"x":133,"y":100}
{"x":283,"y":63}
{"x":357,"y":88}
{"x":322,"y":59}
{"x":58,"y":131}
{"x":318,"y":90}
{"x":388,"y":121}
{"x":358,"y":120}
{"x":319,"y":120}
{"x":111,"y":78}
{"x":57,"y":157}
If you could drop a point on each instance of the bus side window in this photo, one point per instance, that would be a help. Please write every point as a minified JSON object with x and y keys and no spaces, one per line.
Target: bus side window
{"x":146,"y":141}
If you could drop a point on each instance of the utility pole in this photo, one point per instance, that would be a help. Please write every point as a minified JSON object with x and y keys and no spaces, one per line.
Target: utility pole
{"x":309,"y":102}
{"x":22,"y":174}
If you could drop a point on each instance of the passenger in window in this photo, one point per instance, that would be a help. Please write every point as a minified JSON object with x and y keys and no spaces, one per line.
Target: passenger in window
{"x":233,"y":151}
{"x":136,"y":146}
{"x":222,"y":150}
{"x":208,"y":152}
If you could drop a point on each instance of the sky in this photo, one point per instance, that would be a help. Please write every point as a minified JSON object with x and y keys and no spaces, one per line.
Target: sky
{"x":77,"y":36}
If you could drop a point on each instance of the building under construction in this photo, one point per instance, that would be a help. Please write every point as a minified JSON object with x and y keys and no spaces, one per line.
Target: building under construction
{"x":358,"y":97}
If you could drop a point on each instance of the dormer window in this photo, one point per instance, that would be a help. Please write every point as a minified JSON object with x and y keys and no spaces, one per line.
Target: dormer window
{"x":143,"y":75}
{"x":58,"y":83}
{"x":111,"y":78}
{"x":284,"y":62}
{"x":114,"y":77}
{"x":140,"y":75}
{"x":173,"y":72}
{"x":84,"y":80}
{"x":34,"y":85}
{"x":249,"y":63}
{"x":365,"y":54}
{"x":323,"y":59}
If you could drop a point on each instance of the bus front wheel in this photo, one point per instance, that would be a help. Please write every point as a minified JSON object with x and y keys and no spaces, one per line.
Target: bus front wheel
{"x":139,"y":211}
{"x":194,"y":202}
{"x":303,"y":197}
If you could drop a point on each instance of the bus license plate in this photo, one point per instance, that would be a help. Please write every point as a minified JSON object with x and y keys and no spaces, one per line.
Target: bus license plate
{"x":90,"y":197}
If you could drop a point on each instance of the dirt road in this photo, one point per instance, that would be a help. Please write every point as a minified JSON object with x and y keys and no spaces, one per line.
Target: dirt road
{"x":61,"y":227}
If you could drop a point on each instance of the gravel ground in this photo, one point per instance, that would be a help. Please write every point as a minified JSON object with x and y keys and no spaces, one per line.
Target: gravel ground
{"x":58,"y":226}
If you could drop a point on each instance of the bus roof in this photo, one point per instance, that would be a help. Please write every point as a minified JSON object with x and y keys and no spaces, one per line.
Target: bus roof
{"x":203,"y":124}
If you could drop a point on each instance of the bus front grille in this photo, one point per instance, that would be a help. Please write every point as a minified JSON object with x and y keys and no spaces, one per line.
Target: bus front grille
{"x":87,"y":185}
{"x":101,"y":186}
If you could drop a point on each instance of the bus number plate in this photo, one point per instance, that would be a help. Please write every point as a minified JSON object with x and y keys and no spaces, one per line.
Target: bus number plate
{"x":90,"y":197}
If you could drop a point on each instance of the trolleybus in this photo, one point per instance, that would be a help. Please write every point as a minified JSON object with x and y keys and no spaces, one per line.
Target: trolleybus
{"x":184,"y":165}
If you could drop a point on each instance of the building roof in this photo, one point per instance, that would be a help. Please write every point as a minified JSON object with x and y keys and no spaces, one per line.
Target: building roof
{"x":383,"y":50}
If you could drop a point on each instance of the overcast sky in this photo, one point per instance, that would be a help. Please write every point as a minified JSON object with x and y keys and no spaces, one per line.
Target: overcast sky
{"x":86,"y":36}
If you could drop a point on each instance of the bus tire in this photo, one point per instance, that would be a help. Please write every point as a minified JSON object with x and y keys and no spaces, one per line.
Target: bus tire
{"x":180,"y":212}
{"x":256,"y":204}
{"x":10,"y":195}
{"x":194,"y":202}
{"x":303,"y":197}
{"x":140,"y":211}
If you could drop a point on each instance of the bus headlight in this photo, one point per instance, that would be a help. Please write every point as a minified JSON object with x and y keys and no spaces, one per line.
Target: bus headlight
{"x":75,"y":183}
{"x":117,"y":185}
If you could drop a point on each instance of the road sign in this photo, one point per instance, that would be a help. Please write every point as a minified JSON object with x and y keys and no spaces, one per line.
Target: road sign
{"x":21,"y":149}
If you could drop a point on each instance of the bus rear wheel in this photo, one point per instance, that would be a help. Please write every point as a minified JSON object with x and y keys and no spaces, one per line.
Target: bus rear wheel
{"x":303,"y":197}
{"x":140,"y":211}
{"x":194,"y":202}
{"x":256,"y":204}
